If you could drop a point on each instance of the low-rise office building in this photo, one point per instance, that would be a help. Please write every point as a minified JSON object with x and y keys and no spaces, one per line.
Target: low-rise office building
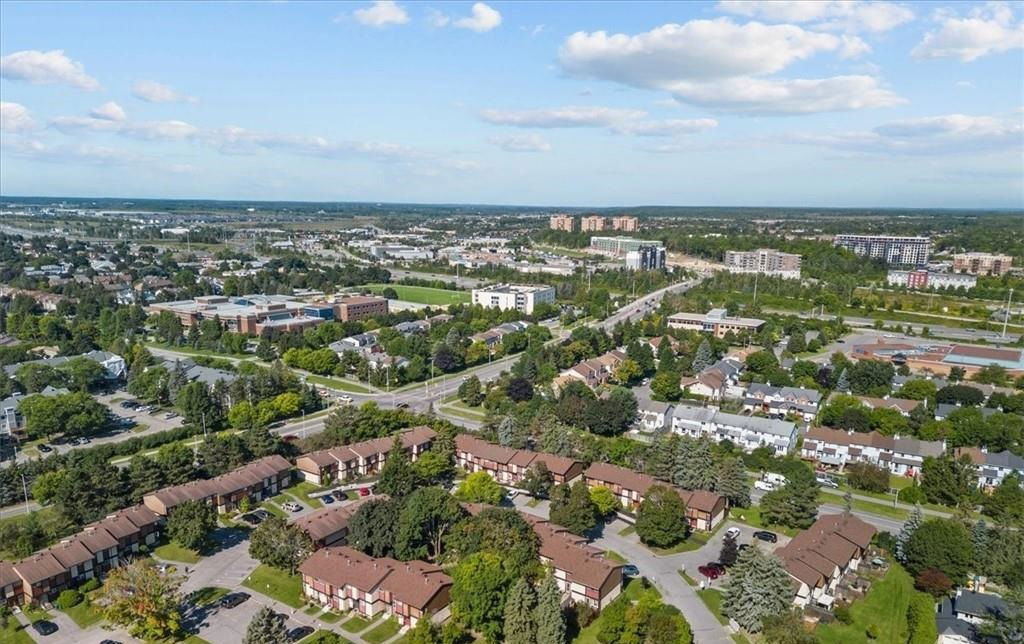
{"x":716,"y":321}
{"x":361,"y":459}
{"x":249,"y":314}
{"x":348,"y":308}
{"x":518,"y":297}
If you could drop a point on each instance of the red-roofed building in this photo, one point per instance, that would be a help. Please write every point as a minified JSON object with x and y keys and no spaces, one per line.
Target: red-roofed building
{"x":508,"y":466}
{"x":360,"y":459}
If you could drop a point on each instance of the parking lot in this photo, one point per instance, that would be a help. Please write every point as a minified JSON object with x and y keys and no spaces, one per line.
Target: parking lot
{"x":155,"y":421}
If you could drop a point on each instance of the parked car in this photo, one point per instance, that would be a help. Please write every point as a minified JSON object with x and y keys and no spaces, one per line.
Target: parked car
{"x":742,"y":547}
{"x":345,"y":399}
{"x":764,"y":535}
{"x":291,"y":506}
{"x":109,"y":642}
{"x":252,"y":518}
{"x":81,"y":440}
{"x":630,"y":570}
{"x":402,"y":405}
{"x":327,"y":499}
{"x":261,"y":513}
{"x":827,"y":481}
{"x":233,"y":599}
{"x":299,"y":632}
{"x":364,"y":491}
{"x":710,"y":573}
{"x":767,"y":486}
{"x":43,"y":447}
{"x":171,"y":414}
{"x":44,"y":627}
{"x":732,"y":533}
{"x":129,"y":404}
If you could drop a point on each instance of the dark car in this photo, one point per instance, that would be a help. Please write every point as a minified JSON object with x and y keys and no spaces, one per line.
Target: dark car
{"x":290,"y":438}
{"x":109,"y":642}
{"x":630,"y":570}
{"x":252,"y":518}
{"x":44,"y":627}
{"x":710,"y":572}
{"x":764,"y":535}
{"x":743,"y":546}
{"x":299,"y":632}
{"x":402,"y":405}
{"x":327,"y":498}
{"x":233,"y":599}
{"x":261,"y":513}
{"x":43,"y":447}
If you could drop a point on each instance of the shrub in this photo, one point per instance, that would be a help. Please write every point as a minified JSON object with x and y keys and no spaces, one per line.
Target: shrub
{"x":68,"y":598}
{"x":89,"y":585}
{"x":584,"y":614}
{"x":934,"y":582}
{"x":871,"y":631}
{"x":842,"y":614}
{"x":912,"y":495}
{"x":865,"y":476}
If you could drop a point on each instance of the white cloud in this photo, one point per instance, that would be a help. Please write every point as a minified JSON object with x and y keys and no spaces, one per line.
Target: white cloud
{"x":521,"y":143}
{"x":381,"y":14}
{"x":15,"y":117}
{"x":236,"y":140}
{"x":69,"y":153}
{"x":154,"y":92}
{"x":109,"y":111}
{"x":570,"y":116}
{"x":144,"y":130}
{"x":989,"y":29}
{"x":49,"y":67}
{"x":437,"y":19}
{"x":483,"y":18}
{"x":668,"y":127}
{"x":841,"y":15}
{"x":719,"y":64}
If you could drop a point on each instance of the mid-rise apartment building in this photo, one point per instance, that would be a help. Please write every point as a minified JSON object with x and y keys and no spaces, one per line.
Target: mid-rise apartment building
{"x":562,"y":222}
{"x":592,"y":224}
{"x":520,"y":297}
{"x":982,"y":263}
{"x":907,"y":251}
{"x":646,"y":258}
{"x":766,"y":261}
{"x":922,"y":279}
{"x":619,"y":246}
{"x":626,"y":224}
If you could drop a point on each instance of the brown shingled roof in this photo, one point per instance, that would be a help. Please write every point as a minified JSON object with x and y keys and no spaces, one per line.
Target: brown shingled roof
{"x":325,"y":522}
{"x":39,"y":567}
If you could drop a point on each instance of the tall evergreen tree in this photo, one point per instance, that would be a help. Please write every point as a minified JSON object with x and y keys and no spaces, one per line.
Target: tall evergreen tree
{"x":757,"y":587}
{"x":397,"y":477}
{"x":695,"y":465}
{"x":266,"y":627}
{"x":795,"y":505}
{"x":660,"y":457}
{"x":260,"y":441}
{"x":702,"y":359}
{"x":506,"y":431}
{"x":843,"y":383}
{"x":550,"y":620}
{"x":732,"y":482}
{"x":979,"y":537}
{"x":520,"y":605}
{"x":910,"y":526}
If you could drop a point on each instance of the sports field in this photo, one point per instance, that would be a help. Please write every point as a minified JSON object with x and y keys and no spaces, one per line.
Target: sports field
{"x":424,"y":294}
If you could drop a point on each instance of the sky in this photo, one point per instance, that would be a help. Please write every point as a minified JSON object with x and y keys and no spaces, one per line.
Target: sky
{"x":826,"y":103}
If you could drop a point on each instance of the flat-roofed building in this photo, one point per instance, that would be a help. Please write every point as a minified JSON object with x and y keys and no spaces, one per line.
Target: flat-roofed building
{"x":716,"y":321}
{"x":358,"y":307}
{"x":907,"y":251}
{"x":619,"y":246}
{"x":982,"y":263}
{"x":646,"y":258}
{"x":564,"y":223}
{"x":249,"y":314}
{"x":922,"y":279}
{"x":592,"y":224}
{"x":626,"y":224}
{"x":519,"y":297}
{"x":766,"y":261}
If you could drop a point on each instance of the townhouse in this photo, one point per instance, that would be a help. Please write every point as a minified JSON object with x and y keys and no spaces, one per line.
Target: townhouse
{"x":902,"y":405}
{"x":89,"y":553}
{"x":593,"y":373}
{"x":509,"y":466}
{"x":959,"y":616}
{"x":992,"y":467}
{"x":364,"y":458}
{"x":255,"y":481}
{"x":493,"y":337}
{"x":704,"y":510}
{"x":836,"y":448}
{"x":114,"y":367}
{"x":341,"y":578}
{"x":780,"y":401}
{"x":329,"y":526}
{"x":652,"y":416}
{"x":745,"y":432}
{"x":818,"y":558}
{"x":720,"y":380}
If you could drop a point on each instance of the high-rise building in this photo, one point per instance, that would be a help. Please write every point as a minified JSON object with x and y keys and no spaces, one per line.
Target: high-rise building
{"x":767,"y":261}
{"x":981,"y":263}
{"x":621,"y":245}
{"x":625,"y":224}
{"x":592,"y":224}
{"x":646,"y":258}
{"x":562,"y":222}
{"x":907,"y":251}
{"x":521,"y":297}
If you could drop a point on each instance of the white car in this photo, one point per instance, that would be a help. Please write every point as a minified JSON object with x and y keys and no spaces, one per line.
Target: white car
{"x":767,"y":486}
{"x":827,"y":482}
{"x":291,"y":506}
{"x":732,"y":533}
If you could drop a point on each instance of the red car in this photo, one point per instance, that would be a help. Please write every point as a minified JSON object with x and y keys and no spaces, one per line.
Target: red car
{"x":364,"y":491}
{"x":712,"y":570}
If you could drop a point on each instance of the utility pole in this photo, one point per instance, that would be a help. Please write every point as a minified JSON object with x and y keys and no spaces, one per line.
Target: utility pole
{"x":1006,"y":317}
{"x":756,"y":275}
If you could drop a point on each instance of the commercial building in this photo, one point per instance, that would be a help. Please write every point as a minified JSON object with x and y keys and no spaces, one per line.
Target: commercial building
{"x":509,"y":466}
{"x":255,"y":481}
{"x":982,"y":263}
{"x":592,"y":224}
{"x":766,"y":261}
{"x":819,"y":557}
{"x":907,"y":251}
{"x":746,"y":432}
{"x":646,"y":258}
{"x":716,"y":321}
{"x":837,"y":448}
{"x":249,"y":314}
{"x":343,"y":579}
{"x":626,"y":224}
{"x":923,"y":279}
{"x":939,"y":359}
{"x":704,"y":510}
{"x":346,"y":309}
{"x":360,"y":459}
{"x":562,"y":222}
{"x":521,"y":297}
{"x":619,"y":246}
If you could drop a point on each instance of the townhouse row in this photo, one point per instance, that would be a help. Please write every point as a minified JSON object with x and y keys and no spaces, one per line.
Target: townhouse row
{"x":593,"y":373}
{"x":746,"y":432}
{"x":254,"y":481}
{"x":89,"y":553}
{"x":509,"y":466}
{"x":361,"y":459}
{"x":837,"y":448}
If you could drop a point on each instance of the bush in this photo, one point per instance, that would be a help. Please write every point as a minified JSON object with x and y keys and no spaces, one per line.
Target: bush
{"x":912,"y":495}
{"x":934,"y":582}
{"x":865,"y":476}
{"x":89,"y":585}
{"x":871,"y":631}
{"x":842,"y":614}
{"x":584,"y":614}
{"x":68,"y":598}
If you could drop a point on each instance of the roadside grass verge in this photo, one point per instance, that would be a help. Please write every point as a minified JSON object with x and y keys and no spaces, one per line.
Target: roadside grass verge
{"x":276,"y":584}
{"x":174,"y":552}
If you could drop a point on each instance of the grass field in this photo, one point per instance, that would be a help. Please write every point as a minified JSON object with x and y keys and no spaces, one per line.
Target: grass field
{"x":174,"y":552}
{"x":303,"y":490}
{"x":385,"y":631}
{"x":885,"y":606}
{"x":611,"y":555}
{"x":276,"y":584}
{"x":15,"y":633}
{"x":712,"y":598}
{"x":340,"y":385}
{"x":325,"y":637}
{"x":207,"y":595}
{"x":358,"y":624}
{"x":84,"y":614}
{"x":752,"y":517}
{"x":424,"y":294}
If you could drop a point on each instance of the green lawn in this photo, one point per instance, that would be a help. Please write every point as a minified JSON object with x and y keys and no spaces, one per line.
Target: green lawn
{"x":387,"y":630}
{"x":358,"y":624}
{"x":713,"y":599}
{"x":882,"y":509}
{"x":174,"y":552}
{"x":15,"y":633}
{"x":303,"y":490}
{"x":276,"y":584}
{"x":885,"y":606}
{"x":752,"y":517}
{"x":611,"y":555}
{"x":628,"y":530}
{"x":84,"y":614}
{"x":199,"y":352}
{"x":207,"y":595}
{"x":424,"y":294}
{"x":194,"y":639}
{"x":34,"y":613}
{"x":336,"y":383}
{"x":273,"y":509}
{"x":330,"y":617}
{"x":325,"y":637}
{"x":464,"y":414}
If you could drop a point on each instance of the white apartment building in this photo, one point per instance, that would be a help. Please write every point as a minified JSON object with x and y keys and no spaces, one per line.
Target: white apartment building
{"x":766,"y":261}
{"x":928,"y":279}
{"x":521,"y":297}
{"x":746,"y":432}
{"x":911,"y":251}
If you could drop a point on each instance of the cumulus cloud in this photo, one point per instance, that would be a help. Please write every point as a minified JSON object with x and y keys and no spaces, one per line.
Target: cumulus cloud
{"x":437,"y":19}
{"x":143,"y":130}
{"x":109,"y":111}
{"x":482,"y":18}
{"x":989,"y":29}
{"x":722,"y":64}
{"x":841,"y":15}
{"x":381,"y":14}
{"x":570,"y":116}
{"x":78,"y":153}
{"x":154,"y":92}
{"x":46,"y":67}
{"x":15,"y":117}
{"x":521,"y":143}
{"x":668,"y":127}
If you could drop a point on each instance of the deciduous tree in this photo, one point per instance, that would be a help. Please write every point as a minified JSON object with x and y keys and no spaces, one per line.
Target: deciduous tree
{"x":144,"y":600}
{"x":661,"y":517}
{"x":279,"y":544}
{"x":191,"y":523}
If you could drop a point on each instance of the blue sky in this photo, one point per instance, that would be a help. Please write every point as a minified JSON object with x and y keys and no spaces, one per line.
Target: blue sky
{"x":591,"y":104}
